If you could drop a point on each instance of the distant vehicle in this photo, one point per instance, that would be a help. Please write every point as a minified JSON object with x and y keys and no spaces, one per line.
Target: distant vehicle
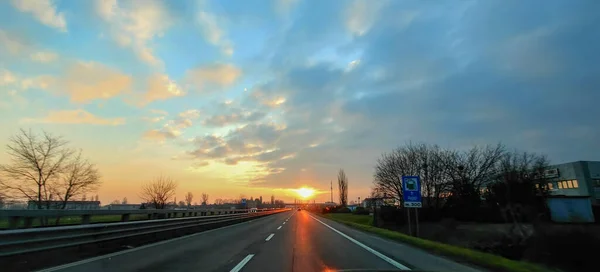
{"x":299,"y":209}
{"x":253,"y":210}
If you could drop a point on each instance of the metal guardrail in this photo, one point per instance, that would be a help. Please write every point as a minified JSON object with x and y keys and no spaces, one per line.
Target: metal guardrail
{"x":25,"y":241}
{"x":15,"y":217}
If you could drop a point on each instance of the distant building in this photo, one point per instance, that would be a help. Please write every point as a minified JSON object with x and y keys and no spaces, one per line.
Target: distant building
{"x":122,"y":206}
{"x":580,"y":178}
{"x":370,"y":202}
{"x":574,"y":188}
{"x":70,"y":205}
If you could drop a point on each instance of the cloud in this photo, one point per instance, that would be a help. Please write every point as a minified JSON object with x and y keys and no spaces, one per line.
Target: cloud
{"x":7,"y":77}
{"x":160,"y":135}
{"x":134,"y":24}
{"x":172,"y":128}
{"x":82,"y":82}
{"x":190,"y":114}
{"x":160,"y":112}
{"x":475,"y":78}
{"x":361,"y":15}
{"x":213,"y":33}
{"x":233,"y":118}
{"x":284,"y":7}
{"x":161,"y":87}
{"x":44,"y":57}
{"x":244,"y":143}
{"x":76,"y":117}
{"x":217,"y":75}
{"x":43,"y":11}
{"x":87,"y":81}
{"x":13,"y":43}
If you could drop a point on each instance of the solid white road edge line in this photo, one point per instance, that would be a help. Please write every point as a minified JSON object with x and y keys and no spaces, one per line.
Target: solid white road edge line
{"x":270,"y":236}
{"x":239,"y":266}
{"x":376,"y":253}
{"x":284,"y":223}
{"x":279,"y":227}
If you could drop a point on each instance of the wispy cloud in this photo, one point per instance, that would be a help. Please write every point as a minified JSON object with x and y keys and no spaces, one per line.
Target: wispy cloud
{"x":87,"y":81}
{"x":76,"y":117}
{"x":161,"y":87}
{"x":44,"y":57}
{"x":204,"y":77}
{"x":44,"y":11}
{"x":213,"y":32}
{"x":134,"y":24}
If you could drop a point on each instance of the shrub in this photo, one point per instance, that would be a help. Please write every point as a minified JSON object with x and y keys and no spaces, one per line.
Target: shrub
{"x":361,"y":211}
{"x":573,"y":248}
{"x":343,"y":210}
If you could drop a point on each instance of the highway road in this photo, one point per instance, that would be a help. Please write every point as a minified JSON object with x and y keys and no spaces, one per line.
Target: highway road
{"x":289,"y":241}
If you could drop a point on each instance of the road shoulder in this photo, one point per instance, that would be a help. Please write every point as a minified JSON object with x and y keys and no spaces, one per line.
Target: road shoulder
{"x":410,"y":255}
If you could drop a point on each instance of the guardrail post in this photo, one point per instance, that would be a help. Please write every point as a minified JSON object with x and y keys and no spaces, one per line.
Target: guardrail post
{"x":125,"y":217}
{"x":28,"y":221}
{"x":85,"y":219}
{"x":195,"y":213}
{"x":13,"y":222}
{"x":150,"y":216}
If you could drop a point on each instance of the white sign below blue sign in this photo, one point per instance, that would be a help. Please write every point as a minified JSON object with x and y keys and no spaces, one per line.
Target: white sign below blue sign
{"x":411,"y":191}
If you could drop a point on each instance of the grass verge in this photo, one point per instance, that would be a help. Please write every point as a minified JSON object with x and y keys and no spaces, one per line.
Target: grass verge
{"x":487,"y":260}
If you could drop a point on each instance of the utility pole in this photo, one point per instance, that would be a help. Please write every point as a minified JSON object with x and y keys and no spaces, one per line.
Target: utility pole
{"x":331,"y":184}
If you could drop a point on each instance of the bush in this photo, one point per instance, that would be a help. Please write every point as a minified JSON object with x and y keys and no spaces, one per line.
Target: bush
{"x":343,"y":210}
{"x":361,"y":211}
{"x":572,"y":248}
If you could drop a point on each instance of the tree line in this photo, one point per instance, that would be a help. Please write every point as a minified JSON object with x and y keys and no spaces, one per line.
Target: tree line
{"x":460,"y":182}
{"x":158,"y":193}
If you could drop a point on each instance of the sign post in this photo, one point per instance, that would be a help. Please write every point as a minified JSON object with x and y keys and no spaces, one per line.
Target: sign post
{"x":411,"y":195}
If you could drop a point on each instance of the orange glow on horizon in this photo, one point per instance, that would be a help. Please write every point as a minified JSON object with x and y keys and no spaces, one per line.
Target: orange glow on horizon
{"x":305,"y":192}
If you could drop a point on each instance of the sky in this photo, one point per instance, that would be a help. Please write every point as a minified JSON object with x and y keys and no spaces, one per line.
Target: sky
{"x":264,"y":97}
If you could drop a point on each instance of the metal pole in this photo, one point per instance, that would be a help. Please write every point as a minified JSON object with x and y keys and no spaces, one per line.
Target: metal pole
{"x":409,"y":228}
{"x":417,"y":219}
{"x":331,"y":187}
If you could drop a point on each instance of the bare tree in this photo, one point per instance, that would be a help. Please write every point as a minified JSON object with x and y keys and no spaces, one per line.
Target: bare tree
{"x":219,"y":201}
{"x":204,"y":198}
{"x":35,"y":163}
{"x":272,"y":199}
{"x":78,"y":177}
{"x":115,"y":202}
{"x":124,"y":201}
{"x":189,"y":197}
{"x":519,"y":189}
{"x":443,"y":172}
{"x":343,"y":187}
{"x":159,"y":191}
{"x":181,"y":204}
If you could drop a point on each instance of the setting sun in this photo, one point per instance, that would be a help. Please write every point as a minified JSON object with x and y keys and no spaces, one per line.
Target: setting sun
{"x":305,"y":192}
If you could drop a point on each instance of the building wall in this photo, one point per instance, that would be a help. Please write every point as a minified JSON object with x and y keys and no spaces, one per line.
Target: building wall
{"x":587,"y":175}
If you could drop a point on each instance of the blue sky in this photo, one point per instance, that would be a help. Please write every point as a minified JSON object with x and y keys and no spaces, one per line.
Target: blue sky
{"x":258,"y":97}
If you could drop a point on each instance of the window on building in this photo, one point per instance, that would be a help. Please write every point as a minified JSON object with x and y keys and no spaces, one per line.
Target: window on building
{"x":596,"y":182}
{"x":550,"y":186}
{"x":575,"y":184}
{"x":570,"y":184}
{"x":560,"y":185}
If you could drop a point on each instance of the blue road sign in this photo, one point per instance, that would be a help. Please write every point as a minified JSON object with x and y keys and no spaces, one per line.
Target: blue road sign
{"x":411,"y":191}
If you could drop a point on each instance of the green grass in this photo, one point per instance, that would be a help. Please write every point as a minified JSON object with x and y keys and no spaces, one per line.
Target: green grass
{"x":494,"y":262}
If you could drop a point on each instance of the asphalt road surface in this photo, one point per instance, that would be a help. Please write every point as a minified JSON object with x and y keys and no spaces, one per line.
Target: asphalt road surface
{"x":289,"y":241}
